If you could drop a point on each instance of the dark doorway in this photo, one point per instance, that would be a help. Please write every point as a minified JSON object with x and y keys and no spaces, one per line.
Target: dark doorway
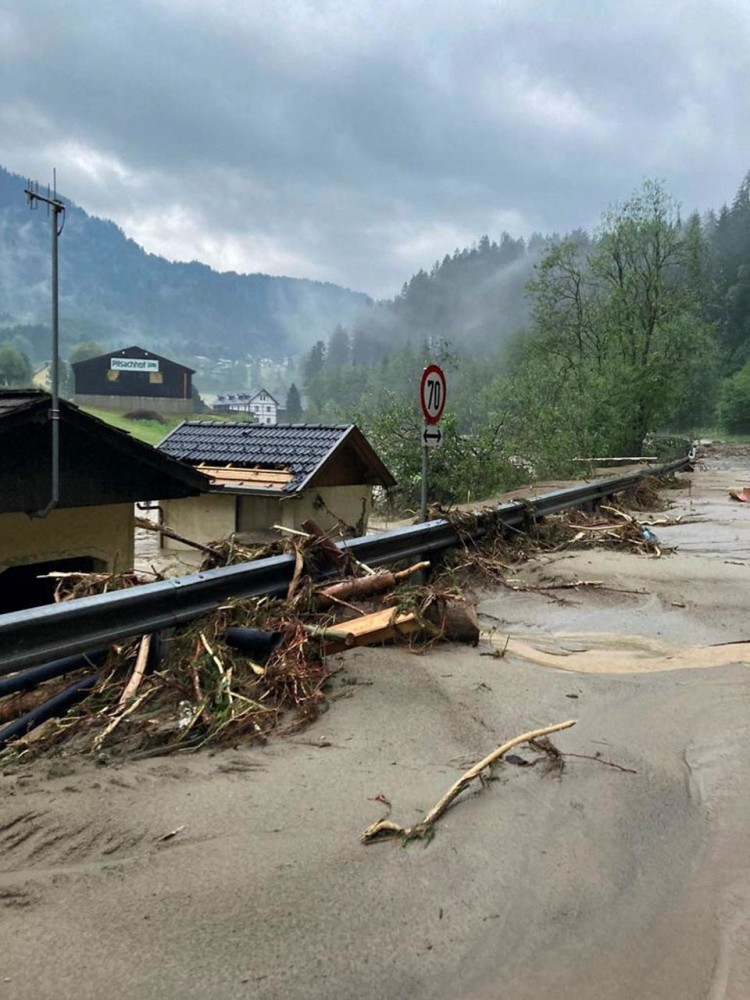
{"x":20,"y":586}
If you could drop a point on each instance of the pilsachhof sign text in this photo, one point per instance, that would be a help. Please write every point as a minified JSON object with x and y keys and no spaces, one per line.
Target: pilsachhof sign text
{"x":133,"y":365}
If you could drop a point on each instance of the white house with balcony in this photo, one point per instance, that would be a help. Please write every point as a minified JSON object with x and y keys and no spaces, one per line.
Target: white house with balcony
{"x":260,"y":403}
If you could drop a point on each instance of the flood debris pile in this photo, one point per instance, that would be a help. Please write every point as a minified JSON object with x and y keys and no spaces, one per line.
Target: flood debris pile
{"x":245,"y":669}
{"x":495,"y":555}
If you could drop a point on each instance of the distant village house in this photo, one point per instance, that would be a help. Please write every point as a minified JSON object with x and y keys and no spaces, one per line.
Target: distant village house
{"x":259,"y":402}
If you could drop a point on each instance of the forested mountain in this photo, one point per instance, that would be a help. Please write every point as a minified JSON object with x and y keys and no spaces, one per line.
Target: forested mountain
{"x":112,"y":291}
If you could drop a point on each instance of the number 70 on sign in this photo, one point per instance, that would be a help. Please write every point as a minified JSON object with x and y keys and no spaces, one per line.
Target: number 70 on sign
{"x":432,"y":393}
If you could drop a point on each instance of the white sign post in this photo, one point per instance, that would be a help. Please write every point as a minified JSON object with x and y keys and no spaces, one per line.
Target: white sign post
{"x":432,"y":396}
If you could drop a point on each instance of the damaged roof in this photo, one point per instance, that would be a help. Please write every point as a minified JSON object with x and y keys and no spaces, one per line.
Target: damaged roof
{"x":302,"y":455}
{"x":99,"y":464}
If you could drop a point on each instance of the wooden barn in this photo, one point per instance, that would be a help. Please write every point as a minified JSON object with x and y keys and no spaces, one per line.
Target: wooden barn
{"x":262,"y":475}
{"x":103,"y":472}
{"x":134,"y":379}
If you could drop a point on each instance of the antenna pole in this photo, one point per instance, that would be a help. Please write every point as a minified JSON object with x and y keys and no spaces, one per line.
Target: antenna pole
{"x":56,"y":208}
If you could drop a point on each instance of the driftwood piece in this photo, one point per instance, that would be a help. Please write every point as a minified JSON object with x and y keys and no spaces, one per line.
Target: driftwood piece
{"x":123,"y":714}
{"x":365,"y":586}
{"x":385,"y":829}
{"x":138,"y":671}
{"x":299,"y":567}
{"x":162,"y":529}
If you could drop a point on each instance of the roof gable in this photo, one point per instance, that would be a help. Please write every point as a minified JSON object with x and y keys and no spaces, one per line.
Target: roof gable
{"x":132,"y":352}
{"x":244,"y":396}
{"x":314,"y":454}
{"x":98,"y":463}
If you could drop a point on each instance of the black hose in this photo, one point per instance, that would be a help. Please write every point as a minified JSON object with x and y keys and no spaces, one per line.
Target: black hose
{"x":253,"y":642}
{"x":29,"y":678}
{"x":55,"y":706}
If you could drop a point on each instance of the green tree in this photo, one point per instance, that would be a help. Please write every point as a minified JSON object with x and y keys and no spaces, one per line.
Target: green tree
{"x":293,"y":405}
{"x":619,"y":342}
{"x":734,"y":402}
{"x":315,"y":361}
{"x":15,"y":370}
{"x":85,"y":350}
{"x":339,"y":348}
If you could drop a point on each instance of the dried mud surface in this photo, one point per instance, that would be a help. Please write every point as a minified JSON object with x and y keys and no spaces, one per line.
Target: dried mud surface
{"x":240,"y":873}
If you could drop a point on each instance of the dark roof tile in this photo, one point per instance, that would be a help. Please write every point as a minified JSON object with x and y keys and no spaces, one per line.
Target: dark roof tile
{"x":300,"y":448}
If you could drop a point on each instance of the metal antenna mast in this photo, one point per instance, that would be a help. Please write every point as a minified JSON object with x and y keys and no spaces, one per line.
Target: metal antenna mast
{"x":56,"y":213}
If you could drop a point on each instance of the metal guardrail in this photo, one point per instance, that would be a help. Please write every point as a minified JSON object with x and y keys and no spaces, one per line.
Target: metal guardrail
{"x":56,"y":630}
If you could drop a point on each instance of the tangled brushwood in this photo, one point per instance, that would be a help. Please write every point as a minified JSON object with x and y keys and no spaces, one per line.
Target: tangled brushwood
{"x":193,"y":686}
{"x":498,"y":551}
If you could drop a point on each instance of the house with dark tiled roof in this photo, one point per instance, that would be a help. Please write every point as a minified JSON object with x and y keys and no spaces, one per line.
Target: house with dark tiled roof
{"x":102,"y":473}
{"x":263,"y":475}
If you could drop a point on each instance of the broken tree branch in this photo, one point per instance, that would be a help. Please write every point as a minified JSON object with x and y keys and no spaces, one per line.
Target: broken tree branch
{"x":162,"y":529}
{"x":384,"y":829}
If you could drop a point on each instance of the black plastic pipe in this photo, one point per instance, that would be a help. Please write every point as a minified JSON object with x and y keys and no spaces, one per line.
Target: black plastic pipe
{"x":26,"y":679}
{"x":49,"y":709}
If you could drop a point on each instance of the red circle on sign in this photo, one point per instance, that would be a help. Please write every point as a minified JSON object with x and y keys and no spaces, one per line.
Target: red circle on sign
{"x":432,"y":393}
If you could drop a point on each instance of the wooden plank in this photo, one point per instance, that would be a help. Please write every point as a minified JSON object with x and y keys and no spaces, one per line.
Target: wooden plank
{"x":381,"y":626}
{"x":227,"y":473}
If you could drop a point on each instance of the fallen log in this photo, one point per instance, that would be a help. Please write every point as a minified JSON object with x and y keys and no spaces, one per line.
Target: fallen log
{"x":365,"y":586}
{"x":457,"y":621}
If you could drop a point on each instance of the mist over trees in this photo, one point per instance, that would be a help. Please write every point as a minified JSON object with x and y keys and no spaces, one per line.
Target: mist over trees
{"x":642,"y":326}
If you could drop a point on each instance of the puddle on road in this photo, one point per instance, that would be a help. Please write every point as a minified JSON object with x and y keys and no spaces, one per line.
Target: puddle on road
{"x":611,"y":653}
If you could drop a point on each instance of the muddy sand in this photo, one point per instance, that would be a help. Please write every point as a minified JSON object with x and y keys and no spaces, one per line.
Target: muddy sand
{"x":594,"y":884}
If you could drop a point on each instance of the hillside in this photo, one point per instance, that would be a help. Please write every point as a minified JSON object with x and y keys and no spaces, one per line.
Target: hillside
{"x":113,"y":291}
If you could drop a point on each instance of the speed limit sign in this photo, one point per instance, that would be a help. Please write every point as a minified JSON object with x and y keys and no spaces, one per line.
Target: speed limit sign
{"x":432,"y":391}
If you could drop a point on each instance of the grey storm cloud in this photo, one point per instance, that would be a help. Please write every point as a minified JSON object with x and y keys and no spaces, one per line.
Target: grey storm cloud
{"x":357,"y":142}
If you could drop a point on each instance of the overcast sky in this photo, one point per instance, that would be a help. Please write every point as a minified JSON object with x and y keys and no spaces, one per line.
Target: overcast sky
{"x":356,"y":141}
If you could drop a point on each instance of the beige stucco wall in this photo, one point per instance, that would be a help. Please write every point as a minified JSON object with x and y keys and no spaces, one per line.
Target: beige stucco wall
{"x":341,"y":503}
{"x":206,"y":518}
{"x":104,"y":533}
{"x":160,"y":404}
{"x":212,"y":516}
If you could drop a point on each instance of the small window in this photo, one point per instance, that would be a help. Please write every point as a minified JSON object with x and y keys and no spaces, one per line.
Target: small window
{"x":112,"y":376}
{"x":156,"y":378}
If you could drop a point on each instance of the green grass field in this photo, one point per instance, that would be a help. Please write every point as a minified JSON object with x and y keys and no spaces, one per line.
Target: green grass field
{"x":152,"y":431}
